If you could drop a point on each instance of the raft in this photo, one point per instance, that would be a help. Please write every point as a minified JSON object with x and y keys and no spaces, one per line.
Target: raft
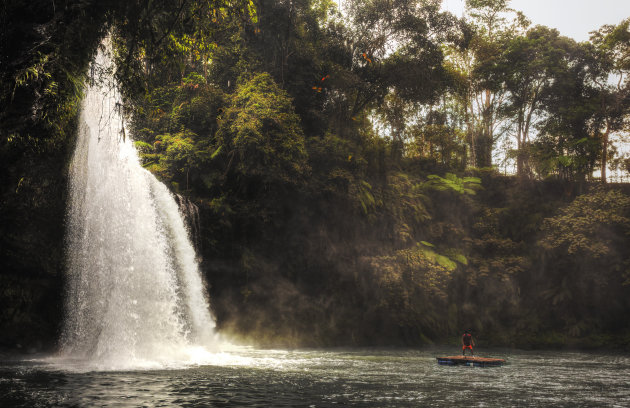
{"x":470,"y":361}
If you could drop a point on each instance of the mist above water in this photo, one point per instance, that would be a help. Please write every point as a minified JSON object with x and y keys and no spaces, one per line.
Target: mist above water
{"x":135,"y":297}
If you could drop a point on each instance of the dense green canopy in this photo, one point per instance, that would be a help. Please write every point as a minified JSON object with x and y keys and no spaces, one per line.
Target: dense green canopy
{"x":346,"y":165}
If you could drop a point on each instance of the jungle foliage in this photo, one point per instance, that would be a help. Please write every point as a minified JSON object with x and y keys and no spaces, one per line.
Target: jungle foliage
{"x":342,"y":164}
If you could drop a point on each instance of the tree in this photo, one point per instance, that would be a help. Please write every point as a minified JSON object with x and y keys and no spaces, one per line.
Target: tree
{"x":165,"y":40}
{"x":528,"y":67}
{"x":396,"y":60}
{"x":565,"y":145}
{"x":260,"y":134}
{"x":396,"y":113}
{"x":481,"y":92}
{"x":438,"y":138}
{"x":586,"y":252}
{"x":610,"y":73}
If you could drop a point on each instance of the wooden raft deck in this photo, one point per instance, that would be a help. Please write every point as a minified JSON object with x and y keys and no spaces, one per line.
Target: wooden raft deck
{"x":470,"y":361}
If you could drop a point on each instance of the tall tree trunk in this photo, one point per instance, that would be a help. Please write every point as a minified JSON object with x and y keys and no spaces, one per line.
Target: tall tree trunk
{"x":473,"y":147}
{"x":486,"y":133}
{"x":471,"y":132}
{"x":605,"y":137}
{"x":519,"y":145}
{"x":483,"y":147}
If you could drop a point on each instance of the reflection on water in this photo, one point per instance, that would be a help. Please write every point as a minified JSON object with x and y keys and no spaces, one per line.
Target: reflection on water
{"x":365,"y":378}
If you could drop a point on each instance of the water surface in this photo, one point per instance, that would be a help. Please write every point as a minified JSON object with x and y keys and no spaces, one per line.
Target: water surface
{"x":316,"y":378}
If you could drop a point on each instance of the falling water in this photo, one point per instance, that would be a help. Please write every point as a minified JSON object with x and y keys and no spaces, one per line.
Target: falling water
{"x":135,"y":296}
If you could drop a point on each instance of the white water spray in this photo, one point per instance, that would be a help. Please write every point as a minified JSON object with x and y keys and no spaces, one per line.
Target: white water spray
{"x":135,"y":297}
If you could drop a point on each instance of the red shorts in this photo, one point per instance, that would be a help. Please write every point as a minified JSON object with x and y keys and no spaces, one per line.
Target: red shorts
{"x":466,"y":347}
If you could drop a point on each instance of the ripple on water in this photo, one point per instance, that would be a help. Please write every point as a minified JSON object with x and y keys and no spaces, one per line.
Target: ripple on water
{"x":364,"y":378}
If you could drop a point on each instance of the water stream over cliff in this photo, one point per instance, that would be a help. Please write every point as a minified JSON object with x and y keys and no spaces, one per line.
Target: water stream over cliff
{"x":135,"y":297}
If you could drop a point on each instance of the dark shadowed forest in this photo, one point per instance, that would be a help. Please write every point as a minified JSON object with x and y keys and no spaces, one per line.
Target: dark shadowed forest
{"x":386,"y":174}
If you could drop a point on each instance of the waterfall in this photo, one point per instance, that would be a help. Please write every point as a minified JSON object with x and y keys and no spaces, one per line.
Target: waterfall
{"x":134,"y":294}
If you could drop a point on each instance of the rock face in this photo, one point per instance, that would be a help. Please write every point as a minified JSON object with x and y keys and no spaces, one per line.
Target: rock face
{"x":32,"y":249}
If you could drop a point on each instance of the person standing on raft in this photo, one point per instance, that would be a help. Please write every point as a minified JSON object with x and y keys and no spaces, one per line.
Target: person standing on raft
{"x":467,"y":343}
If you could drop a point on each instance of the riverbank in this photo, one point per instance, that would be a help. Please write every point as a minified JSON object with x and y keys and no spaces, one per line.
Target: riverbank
{"x":325,"y":286}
